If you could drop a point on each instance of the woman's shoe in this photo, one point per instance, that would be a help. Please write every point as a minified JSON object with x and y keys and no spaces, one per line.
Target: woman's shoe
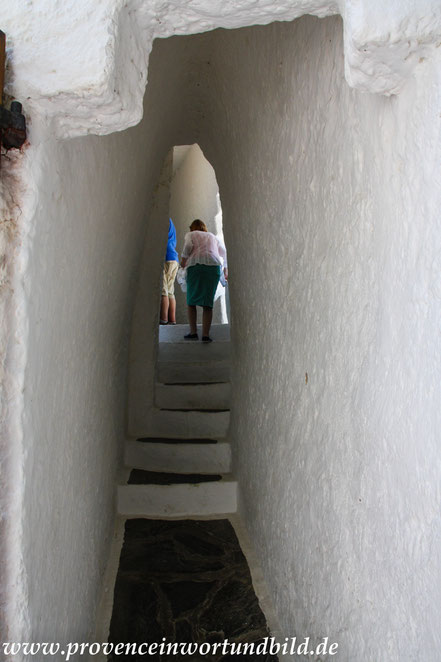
{"x":163,"y":322}
{"x":191,"y":336}
{"x":207,"y":339}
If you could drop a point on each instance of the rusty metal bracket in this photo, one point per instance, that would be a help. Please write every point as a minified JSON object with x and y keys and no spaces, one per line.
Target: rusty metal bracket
{"x":12,"y":122}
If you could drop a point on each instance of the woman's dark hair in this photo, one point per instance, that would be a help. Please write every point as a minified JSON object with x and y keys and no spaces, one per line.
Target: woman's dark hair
{"x":198,"y":225}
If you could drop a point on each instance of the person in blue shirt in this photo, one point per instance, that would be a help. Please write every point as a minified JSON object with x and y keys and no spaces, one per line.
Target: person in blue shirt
{"x":171,"y":264}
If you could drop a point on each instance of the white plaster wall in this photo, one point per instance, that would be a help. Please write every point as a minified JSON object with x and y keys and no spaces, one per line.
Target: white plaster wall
{"x":330,"y":413}
{"x":193,"y":194}
{"x":335,"y":273}
{"x":14,"y":204}
{"x":331,"y":205}
{"x":90,"y":71}
{"x":78,"y":290}
{"x":145,"y":320}
{"x":79,"y":212}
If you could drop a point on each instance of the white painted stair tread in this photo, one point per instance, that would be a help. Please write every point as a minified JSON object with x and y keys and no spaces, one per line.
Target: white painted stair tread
{"x":219,"y":332}
{"x":193,"y":351}
{"x":197,"y":376}
{"x":192,"y":396}
{"x":179,"y":458}
{"x":186,"y":424}
{"x":178,"y":500}
{"x":193,"y":373}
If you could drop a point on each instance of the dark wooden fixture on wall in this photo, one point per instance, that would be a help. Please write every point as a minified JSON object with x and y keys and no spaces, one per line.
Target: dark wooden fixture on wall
{"x":12,"y":122}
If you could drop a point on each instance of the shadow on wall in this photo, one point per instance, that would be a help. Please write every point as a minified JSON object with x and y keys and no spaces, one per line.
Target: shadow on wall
{"x":194,"y":193}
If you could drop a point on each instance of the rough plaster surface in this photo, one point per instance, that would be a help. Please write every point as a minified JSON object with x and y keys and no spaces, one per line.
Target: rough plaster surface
{"x":144,"y":326}
{"x":330,"y":202}
{"x":90,"y":71}
{"x":75,"y":218}
{"x":194,"y":193}
{"x":76,"y":293}
{"x":15,"y":205}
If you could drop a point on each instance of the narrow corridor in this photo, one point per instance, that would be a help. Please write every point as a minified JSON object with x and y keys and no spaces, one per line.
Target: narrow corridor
{"x":187,"y":580}
{"x":321,"y":122}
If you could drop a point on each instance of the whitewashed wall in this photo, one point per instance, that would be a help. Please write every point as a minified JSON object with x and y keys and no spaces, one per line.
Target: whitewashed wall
{"x":79,"y":286}
{"x":82,"y":208}
{"x":145,"y":320}
{"x":331,"y":203}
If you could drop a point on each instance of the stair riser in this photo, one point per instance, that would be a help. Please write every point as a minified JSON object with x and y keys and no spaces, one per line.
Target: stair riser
{"x":214,"y":396}
{"x":193,"y":373}
{"x":179,"y":458}
{"x":186,"y":425}
{"x":193,"y":351}
{"x":183,"y":500}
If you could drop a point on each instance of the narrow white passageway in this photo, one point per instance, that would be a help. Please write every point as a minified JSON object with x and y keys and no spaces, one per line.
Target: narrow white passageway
{"x":194,"y":193}
{"x":323,"y":133}
{"x":186,"y":431}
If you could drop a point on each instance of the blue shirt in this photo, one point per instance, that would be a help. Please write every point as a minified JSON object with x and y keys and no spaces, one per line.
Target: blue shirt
{"x":171,"y":253}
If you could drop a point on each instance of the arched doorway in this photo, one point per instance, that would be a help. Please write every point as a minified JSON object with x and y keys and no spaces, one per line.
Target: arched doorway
{"x":194,"y":193}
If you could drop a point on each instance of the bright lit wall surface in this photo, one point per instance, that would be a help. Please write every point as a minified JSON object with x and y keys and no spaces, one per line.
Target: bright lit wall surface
{"x":194,"y":193}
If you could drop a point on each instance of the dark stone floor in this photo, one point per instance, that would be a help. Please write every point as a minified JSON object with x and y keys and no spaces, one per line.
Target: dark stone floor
{"x":185,"y":581}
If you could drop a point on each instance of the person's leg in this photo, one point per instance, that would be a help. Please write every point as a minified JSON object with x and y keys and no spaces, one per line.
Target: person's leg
{"x":192,"y":318}
{"x":171,"y":310}
{"x":172,"y":271}
{"x":211,"y":280}
{"x":191,"y":302}
{"x":207,"y":317}
{"x":164,"y":309}
{"x":163,"y":315}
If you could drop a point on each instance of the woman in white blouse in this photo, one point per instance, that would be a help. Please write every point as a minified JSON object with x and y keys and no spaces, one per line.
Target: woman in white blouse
{"x":203,"y":256}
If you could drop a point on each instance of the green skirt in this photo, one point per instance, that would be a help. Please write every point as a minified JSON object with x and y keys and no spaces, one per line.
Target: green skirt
{"x":202,"y":282}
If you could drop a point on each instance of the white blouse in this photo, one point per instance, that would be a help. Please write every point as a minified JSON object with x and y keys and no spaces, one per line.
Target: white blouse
{"x":203,"y":248}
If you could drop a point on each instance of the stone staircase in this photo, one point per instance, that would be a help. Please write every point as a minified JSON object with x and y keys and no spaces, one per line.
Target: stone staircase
{"x":181,"y":467}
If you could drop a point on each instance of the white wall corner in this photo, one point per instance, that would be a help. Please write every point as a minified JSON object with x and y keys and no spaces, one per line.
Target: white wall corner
{"x":86,"y":65}
{"x":385,"y":40}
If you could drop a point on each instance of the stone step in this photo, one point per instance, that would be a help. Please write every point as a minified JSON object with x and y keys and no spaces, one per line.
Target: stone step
{"x":192,"y":396}
{"x":207,"y":372}
{"x":143,"y":477}
{"x":182,"y":458}
{"x":191,"y":351}
{"x":171,"y":440}
{"x":178,"y":500}
{"x":219,"y":332}
{"x":186,"y":424}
